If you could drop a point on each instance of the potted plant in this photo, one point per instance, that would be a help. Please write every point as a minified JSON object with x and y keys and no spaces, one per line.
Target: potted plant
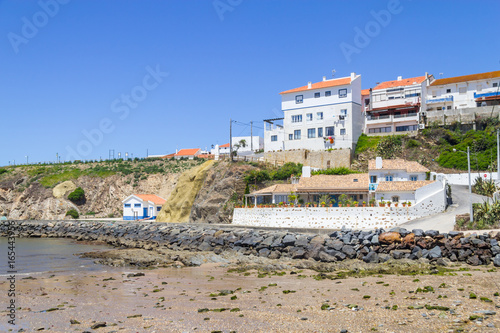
{"x":315,"y":204}
{"x":342,"y":200}
{"x":382,"y":203}
{"x":323,"y":204}
{"x":364,"y":203}
{"x":409,"y":203}
{"x":355,"y":203}
{"x":372,"y":202}
{"x":389,"y":204}
{"x":301,"y":202}
{"x":395,"y":204}
{"x":404,"y":203}
{"x":325,"y":200}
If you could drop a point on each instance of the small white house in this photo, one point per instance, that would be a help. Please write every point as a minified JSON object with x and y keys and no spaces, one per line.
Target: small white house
{"x":253,"y":143}
{"x":142,"y":206}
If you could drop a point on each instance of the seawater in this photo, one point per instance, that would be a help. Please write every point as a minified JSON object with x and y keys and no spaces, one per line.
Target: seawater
{"x":41,"y":255}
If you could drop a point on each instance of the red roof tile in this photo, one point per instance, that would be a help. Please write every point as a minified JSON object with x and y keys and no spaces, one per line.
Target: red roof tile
{"x":365,"y":92}
{"x":322,"y":84}
{"x":464,"y":78}
{"x":187,"y":152}
{"x":151,"y":197}
{"x":224,"y":146}
{"x":168,"y":156}
{"x":400,"y":83}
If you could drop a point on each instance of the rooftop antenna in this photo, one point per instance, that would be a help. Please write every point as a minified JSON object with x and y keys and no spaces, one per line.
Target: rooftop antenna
{"x":333,"y":73}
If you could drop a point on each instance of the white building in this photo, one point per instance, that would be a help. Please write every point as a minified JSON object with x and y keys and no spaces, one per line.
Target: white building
{"x":253,"y":143}
{"x":188,"y":153}
{"x":142,"y":206}
{"x":318,"y":116}
{"x":466,"y":91}
{"x":394,"y":106}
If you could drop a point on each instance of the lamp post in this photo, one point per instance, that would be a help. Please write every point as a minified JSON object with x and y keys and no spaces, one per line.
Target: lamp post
{"x":470,"y":185}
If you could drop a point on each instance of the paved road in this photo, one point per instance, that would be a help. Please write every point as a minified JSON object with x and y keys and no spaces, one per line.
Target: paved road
{"x":444,"y":222}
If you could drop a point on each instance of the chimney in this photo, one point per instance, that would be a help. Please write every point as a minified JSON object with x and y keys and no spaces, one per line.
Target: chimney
{"x":400,"y":78}
{"x":309,"y":85}
{"x":378,"y":163}
{"x":306,"y":171}
{"x":324,"y":78}
{"x":353,"y":76}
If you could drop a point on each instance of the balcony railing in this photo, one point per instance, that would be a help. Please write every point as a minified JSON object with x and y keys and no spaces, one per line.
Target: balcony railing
{"x":440,"y":100}
{"x":388,"y":117}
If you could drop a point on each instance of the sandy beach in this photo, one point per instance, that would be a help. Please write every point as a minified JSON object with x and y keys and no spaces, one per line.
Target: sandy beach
{"x":214,"y":298}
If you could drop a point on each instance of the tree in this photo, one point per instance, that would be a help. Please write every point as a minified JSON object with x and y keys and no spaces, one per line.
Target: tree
{"x":241,"y":144}
{"x":77,"y":196}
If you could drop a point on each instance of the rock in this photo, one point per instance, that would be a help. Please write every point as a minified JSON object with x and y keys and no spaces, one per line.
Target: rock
{"x":409,"y":239}
{"x":374,"y":240}
{"x":473,"y":260}
{"x":402,"y":231}
{"x":389,"y":238}
{"x":431,"y":233}
{"x":443,"y":262}
{"x":289,"y":240}
{"x":397,"y":254}
{"x":302,"y":241}
{"x":135,"y":274}
{"x":297,"y":252}
{"x":454,"y":234}
{"x":325,"y":257}
{"x":74,"y":322}
{"x":264,"y":252}
{"x":496,"y":260}
{"x":435,"y":253}
{"x":371,"y":257}
{"x":418,"y":232}
{"x":486,"y":312}
{"x":61,"y":189}
{"x":349,"y":251}
{"x":98,"y":325}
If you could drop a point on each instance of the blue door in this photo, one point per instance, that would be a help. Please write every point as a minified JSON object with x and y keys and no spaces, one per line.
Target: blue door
{"x":336,"y":198}
{"x":145,"y":212}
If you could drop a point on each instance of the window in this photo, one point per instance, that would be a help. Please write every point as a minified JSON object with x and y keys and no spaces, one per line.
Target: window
{"x":354,"y":197}
{"x":317,"y":95}
{"x":297,"y":118}
{"x":342,"y":93}
{"x":274,"y":138}
{"x":127,"y":205}
{"x":448,"y":91}
{"x":296,"y":135}
{"x":355,"y":180}
{"x":158,"y":208}
{"x":462,"y":90}
{"x":395,"y":199}
{"x":328,"y":93}
{"x":280,"y":198}
{"x":137,"y":205}
{"x":342,"y":131}
{"x":448,"y":107}
{"x":413,"y":178}
{"x":373,"y":179}
{"x":319,"y":115}
{"x":309,"y":117}
{"x":299,"y":99}
{"x":388,"y":178}
{"x":290,"y":136}
{"x":311,"y":133}
{"x":406,"y":128}
{"x":495,"y":84}
{"x":320,"y":132}
{"x":379,"y":130}
{"x":329,"y":131}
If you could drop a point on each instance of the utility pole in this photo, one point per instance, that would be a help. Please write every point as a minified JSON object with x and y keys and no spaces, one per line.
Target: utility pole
{"x":498,"y":155}
{"x":147,"y":152}
{"x":251,"y":136}
{"x":470,"y":187}
{"x":231,"y":138}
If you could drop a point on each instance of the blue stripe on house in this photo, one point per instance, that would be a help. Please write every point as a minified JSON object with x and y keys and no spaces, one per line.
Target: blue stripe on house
{"x":495,"y":93}
{"x":131,"y":218}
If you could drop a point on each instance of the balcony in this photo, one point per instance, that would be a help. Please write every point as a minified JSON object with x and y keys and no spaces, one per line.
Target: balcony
{"x":389,"y":118}
{"x":372,"y":187}
{"x":440,"y":100}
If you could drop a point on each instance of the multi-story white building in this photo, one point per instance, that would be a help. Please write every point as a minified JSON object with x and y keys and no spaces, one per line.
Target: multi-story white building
{"x":394,"y":106}
{"x":318,"y":116}
{"x":467,"y":91}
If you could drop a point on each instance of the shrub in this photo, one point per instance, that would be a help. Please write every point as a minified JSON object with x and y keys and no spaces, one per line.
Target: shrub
{"x":73,"y":213}
{"x":3,"y":170}
{"x":334,"y":171}
{"x":390,"y":146}
{"x":78,"y":195}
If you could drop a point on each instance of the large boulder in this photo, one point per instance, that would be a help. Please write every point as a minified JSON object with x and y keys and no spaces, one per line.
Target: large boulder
{"x":389,"y":238}
{"x":65,"y":187}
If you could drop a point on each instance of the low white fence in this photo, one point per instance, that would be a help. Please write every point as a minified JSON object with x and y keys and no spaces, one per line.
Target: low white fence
{"x":463,"y":178}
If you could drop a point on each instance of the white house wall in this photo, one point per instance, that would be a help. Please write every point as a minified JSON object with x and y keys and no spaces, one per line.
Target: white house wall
{"x":463,"y":178}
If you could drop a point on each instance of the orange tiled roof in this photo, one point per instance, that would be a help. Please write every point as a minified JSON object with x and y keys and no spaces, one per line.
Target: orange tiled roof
{"x":398,"y":164}
{"x":365,"y":92}
{"x":400,"y":83}
{"x":187,"y":152}
{"x":151,"y":197}
{"x":322,"y":84}
{"x":353,"y":182}
{"x":168,"y":156}
{"x":277,"y":188}
{"x":472,"y":77}
{"x":224,"y":146}
{"x":208,"y":156}
{"x":402,"y":186}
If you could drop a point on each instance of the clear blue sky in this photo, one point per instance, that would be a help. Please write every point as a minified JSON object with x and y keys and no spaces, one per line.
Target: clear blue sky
{"x":69,"y":69}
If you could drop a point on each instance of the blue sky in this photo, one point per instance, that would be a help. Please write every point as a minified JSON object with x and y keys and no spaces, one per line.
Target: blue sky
{"x":160,"y":75}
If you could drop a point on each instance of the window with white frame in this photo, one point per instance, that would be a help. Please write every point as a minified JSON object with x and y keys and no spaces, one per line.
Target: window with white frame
{"x":395,"y":199}
{"x":342,"y":93}
{"x":297,"y":118}
{"x":373,"y":179}
{"x":342,"y":131}
{"x":309,"y":116}
{"x":413,"y":178}
{"x":343,"y":112}
{"x":388,"y":178}
{"x":137,"y":205}
{"x":320,"y":132}
{"x":495,"y":84}
{"x":127,"y":205}
{"x":296,"y":135}
{"x":311,"y":133}
{"x":317,"y":95}
{"x":328,"y":93}
{"x":319,"y":115}
{"x":274,"y":138}
{"x":330,"y":131}
{"x":290,"y":136}
{"x":299,"y":99}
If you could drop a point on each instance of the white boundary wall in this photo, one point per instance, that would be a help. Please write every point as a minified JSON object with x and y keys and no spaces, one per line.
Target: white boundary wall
{"x":463,"y":178}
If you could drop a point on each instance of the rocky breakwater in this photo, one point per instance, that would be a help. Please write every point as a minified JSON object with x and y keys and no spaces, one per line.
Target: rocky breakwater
{"x":370,"y":246}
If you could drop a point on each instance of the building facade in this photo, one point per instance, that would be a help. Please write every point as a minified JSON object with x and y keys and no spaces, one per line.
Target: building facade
{"x":394,"y":106}
{"x":142,"y":206}
{"x":319,"y":116}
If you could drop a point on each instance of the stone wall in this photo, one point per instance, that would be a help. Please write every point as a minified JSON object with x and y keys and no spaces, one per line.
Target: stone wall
{"x":316,"y":159}
{"x":369,"y":246}
{"x":463,"y":116}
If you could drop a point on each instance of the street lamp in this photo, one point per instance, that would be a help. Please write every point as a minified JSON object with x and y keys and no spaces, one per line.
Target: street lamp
{"x":470,"y":186}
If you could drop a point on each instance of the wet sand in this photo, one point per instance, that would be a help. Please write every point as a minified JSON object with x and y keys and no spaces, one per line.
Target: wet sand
{"x":189,"y":300}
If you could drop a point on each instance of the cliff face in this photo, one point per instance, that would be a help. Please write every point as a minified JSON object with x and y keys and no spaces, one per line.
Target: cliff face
{"x":19,"y":201}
